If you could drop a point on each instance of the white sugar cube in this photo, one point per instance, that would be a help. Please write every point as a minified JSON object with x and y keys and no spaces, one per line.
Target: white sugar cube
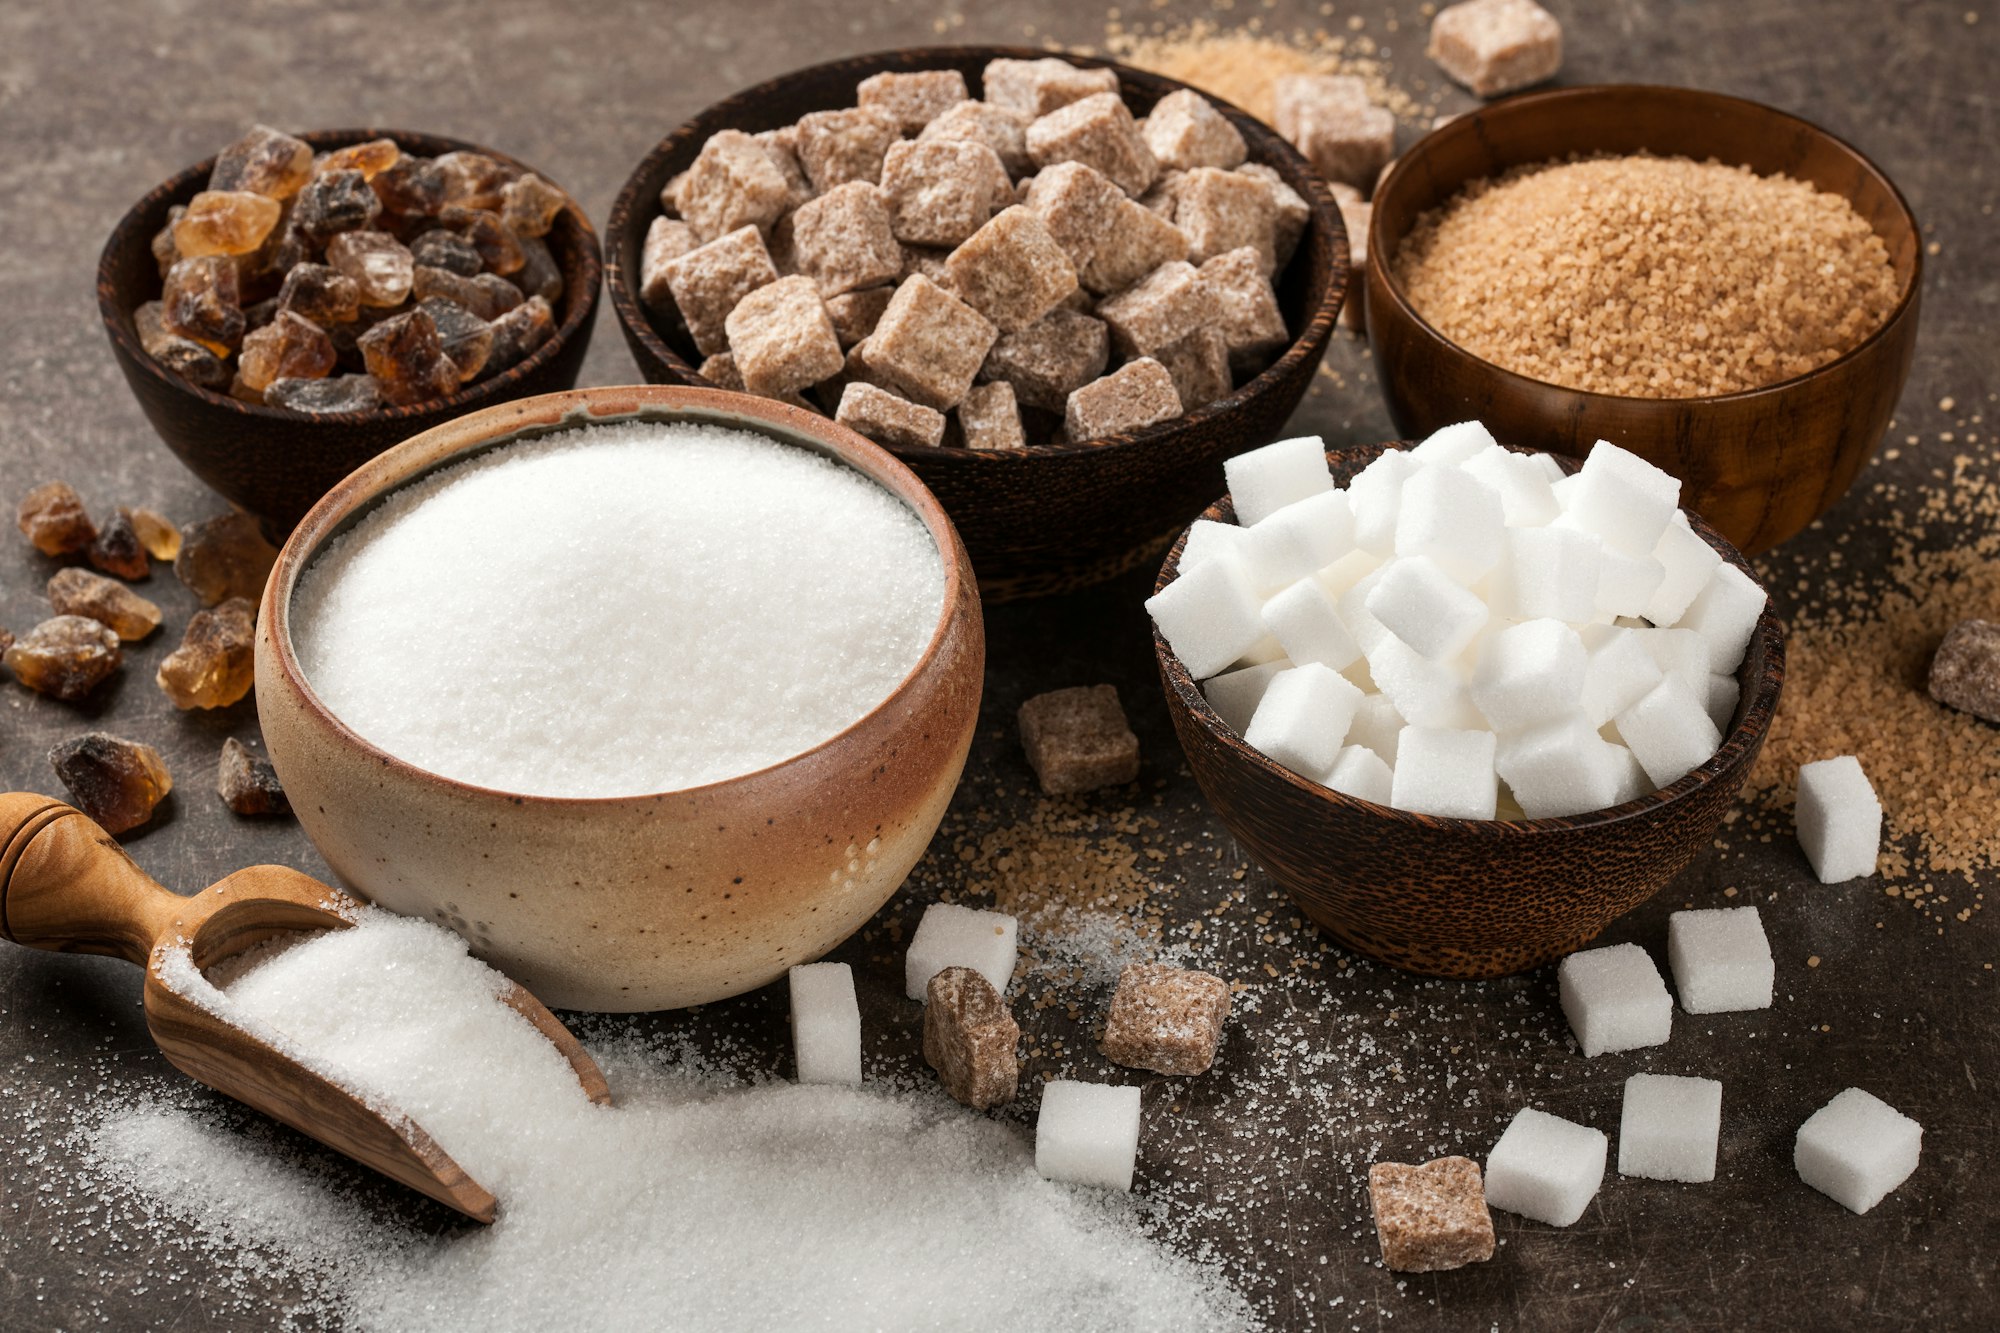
{"x":1550,"y":573}
{"x":1452,"y":445}
{"x":1688,"y":563}
{"x":1361,"y":773}
{"x":1209,"y":615}
{"x":1306,"y":621}
{"x":1376,"y":495}
{"x":1722,"y":695}
{"x":1626,"y":583}
{"x":1632,"y":780}
{"x":1303,"y":718}
{"x":1679,"y":652}
{"x":954,"y":936}
{"x":1421,"y":605}
{"x":1443,"y":772}
{"x":1619,"y":673}
{"x":1349,"y":570}
{"x":1669,"y":1127}
{"x":1560,"y":768}
{"x":1856,"y":1149}
{"x":1452,"y":517}
{"x":1725,"y":612}
{"x":1526,"y":499}
{"x":1424,"y":692}
{"x":1265,"y":480}
{"x":1207,"y":539}
{"x":1551,"y":467}
{"x":1376,"y":725}
{"x":1669,"y":731}
{"x":1720,"y":960}
{"x":826,"y":1023}
{"x":1545,"y":1167}
{"x":1299,"y":540}
{"x":1623,"y":499}
{"x":1087,"y":1133}
{"x":1839,"y":819}
{"x":1354,"y":612}
{"x":1614,"y":999}
{"x":1529,"y":674}
{"x":1236,"y":694}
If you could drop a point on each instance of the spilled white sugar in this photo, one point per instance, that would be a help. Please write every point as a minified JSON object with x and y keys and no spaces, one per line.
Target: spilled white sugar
{"x":690,"y":1202}
{"x":618,"y":610}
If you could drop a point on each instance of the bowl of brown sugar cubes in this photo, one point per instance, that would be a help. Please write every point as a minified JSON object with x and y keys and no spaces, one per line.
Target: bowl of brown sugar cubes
{"x":297,"y":304}
{"x":1061,"y":290}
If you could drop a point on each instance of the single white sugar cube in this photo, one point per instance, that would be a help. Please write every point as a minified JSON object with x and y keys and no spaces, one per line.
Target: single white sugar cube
{"x":1548,"y":573}
{"x":1421,"y":605}
{"x":1720,"y":960}
{"x":1361,"y":773}
{"x":1722,"y":694}
{"x":1300,"y":540}
{"x":1265,"y":480}
{"x":1303,"y":718}
{"x":826,"y":1023}
{"x":1627,"y":583}
{"x":1376,"y":496}
{"x":1452,"y":517}
{"x":1529,"y":674}
{"x":1669,"y":1127}
{"x":1839,"y":819}
{"x":1669,"y":731}
{"x":1209,"y":615}
{"x":1619,"y":673}
{"x":1430,"y":694}
{"x":1632,"y":780}
{"x":1623,"y":499}
{"x":1545,"y":1167}
{"x":1560,"y":768}
{"x":1679,"y":652}
{"x":1376,"y":725}
{"x":1856,"y":1149}
{"x":1207,"y":539}
{"x":1452,"y":445}
{"x":1306,"y":621}
{"x":1688,"y":563}
{"x":1526,"y":499}
{"x":1087,"y":1133}
{"x":1354,"y":613}
{"x":1614,"y":999}
{"x":1349,"y":570}
{"x":1441,"y":772}
{"x":1725,"y":612}
{"x":954,"y":936}
{"x":1236,"y":694}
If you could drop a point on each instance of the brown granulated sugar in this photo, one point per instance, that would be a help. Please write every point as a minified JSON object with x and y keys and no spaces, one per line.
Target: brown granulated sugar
{"x":1243,"y":65}
{"x":1649,"y":277}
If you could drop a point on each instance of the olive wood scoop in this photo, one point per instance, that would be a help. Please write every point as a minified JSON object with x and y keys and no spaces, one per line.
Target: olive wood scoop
{"x":66,"y":885}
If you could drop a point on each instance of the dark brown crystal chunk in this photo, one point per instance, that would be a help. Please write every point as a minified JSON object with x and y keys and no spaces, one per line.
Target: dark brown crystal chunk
{"x":1965,"y":673}
{"x":78,"y":592}
{"x":53,"y":518}
{"x":474,"y":180}
{"x":410,"y":187}
{"x":183,"y":356}
{"x":225,"y":557}
{"x":497,"y":247}
{"x":214,"y":666}
{"x":517,"y":333}
{"x":165,"y":251}
{"x":970,"y":1038}
{"x":322,"y":294}
{"x":117,"y":549}
{"x":247,"y":783}
{"x":203,"y":301}
{"x":116,"y":782}
{"x":289,"y":347}
{"x":465,"y":337}
{"x":333,"y":202}
{"x":530,"y":205}
{"x":540,"y":275}
{"x":267,"y":161}
{"x":449,"y":251}
{"x":488,"y":295}
{"x":65,"y":657}
{"x":406,"y":359}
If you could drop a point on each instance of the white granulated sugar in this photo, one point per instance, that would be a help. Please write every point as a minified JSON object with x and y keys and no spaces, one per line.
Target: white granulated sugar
{"x":619,"y":610}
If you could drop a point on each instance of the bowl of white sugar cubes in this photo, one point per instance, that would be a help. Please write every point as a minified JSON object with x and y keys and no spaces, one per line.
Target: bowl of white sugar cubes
{"x":649,"y":693}
{"x":1467,"y":703}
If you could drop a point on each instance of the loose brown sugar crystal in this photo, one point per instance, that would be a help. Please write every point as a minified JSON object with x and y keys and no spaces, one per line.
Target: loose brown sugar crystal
{"x":1289,"y":211}
{"x":488,"y":296}
{"x":499,"y":249}
{"x":1222,"y":211}
{"x":407,"y":360}
{"x":117,"y":549}
{"x":709,"y":280}
{"x":265,"y":161}
{"x":1965,"y":670}
{"x":1166,"y":1019}
{"x":1245,"y":309}
{"x":971,"y":1039}
{"x":1184,"y":131}
{"x":1139,"y":393}
{"x":289,"y":347}
{"x":1012,"y":271}
{"x":782,"y":339}
{"x":1099,"y":132}
{"x":450,"y":251}
{"x":410,"y":187}
{"x":940,"y":191}
{"x":1431,"y":1217}
{"x":1004,"y":131}
{"x":732,"y":184}
{"x":52,"y":517}
{"x":157,"y":533}
{"x":1199,"y":364}
{"x":225,"y":222}
{"x":65,"y":657}
{"x":1496,"y":46}
{"x":844,"y":240}
{"x":519,"y":333}
{"x":371,"y":158}
{"x":1034,"y":88}
{"x":1647,"y":276}
{"x":1078,"y":204}
{"x":855,"y":314}
{"x":223,"y":557}
{"x":1167,"y":305}
{"x":339,"y":393}
{"x":1077,"y":740}
{"x":915,"y":99}
{"x":666,"y":239}
{"x":1050,"y":359}
{"x":929,"y":344}
{"x":1133,"y":243}
{"x":836,"y":147}
{"x":887,"y":418}
{"x":539,"y":274}
{"x":247,"y":783}
{"x":116,"y":782}
{"x":183,"y":356}
{"x":989,"y":418}
{"x":1330,"y":120}
{"x":214,"y":666}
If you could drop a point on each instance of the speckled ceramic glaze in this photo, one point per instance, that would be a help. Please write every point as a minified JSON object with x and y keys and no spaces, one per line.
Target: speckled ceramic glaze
{"x":641,"y":902}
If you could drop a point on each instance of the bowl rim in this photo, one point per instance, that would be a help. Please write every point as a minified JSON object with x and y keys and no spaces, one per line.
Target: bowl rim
{"x":130,"y":233}
{"x":1739,"y":744}
{"x":1380,"y":270}
{"x":503,"y":424}
{"x":1309,"y":344}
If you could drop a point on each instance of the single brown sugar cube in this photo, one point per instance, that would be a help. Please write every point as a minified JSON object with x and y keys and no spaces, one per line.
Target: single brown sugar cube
{"x":1166,"y":1019}
{"x":1219,"y":211}
{"x":1139,"y":393}
{"x":929,"y":344}
{"x":915,"y":99}
{"x":1289,"y":211}
{"x":1965,"y":671}
{"x":1245,"y":309}
{"x":782,"y":146}
{"x":989,"y":418}
{"x":1050,"y":359}
{"x":1012,"y":271}
{"x":720,"y":370}
{"x":843,"y":239}
{"x":836,"y":147}
{"x":971,"y":1038}
{"x":1004,"y":131}
{"x":1164,"y":307}
{"x":855,"y":314}
{"x":1199,"y":364}
{"x":732,"y":184}
{"x":782,"y":339}
{"x":1431,"y":1217}
{"x":943,"y":190}
{"x":1185,"y":131}
{"x":1329,"y":119}
{"x":53,"y":519}
{"x":1078,"y":204}
{"x":709,"y":280}
{"x":1496,"y":46}
{"x":1033,"y":88}
{"x":1078,"y":740}
{"x":1134,"y":243}
{"x":1355,"y":217}
{"x":666,"y":239}
{"x":887,"y":418}
{"x":1099,"y":132}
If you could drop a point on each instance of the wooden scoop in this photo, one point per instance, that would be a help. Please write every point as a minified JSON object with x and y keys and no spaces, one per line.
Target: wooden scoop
{"x":66,"y":885}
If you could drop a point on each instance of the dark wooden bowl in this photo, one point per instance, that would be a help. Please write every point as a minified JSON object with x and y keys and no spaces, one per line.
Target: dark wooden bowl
{"x":1760,"y":464}
{"x":1465,"y":897}
{"x":1047,"y":519}
{"x":277,"y":464}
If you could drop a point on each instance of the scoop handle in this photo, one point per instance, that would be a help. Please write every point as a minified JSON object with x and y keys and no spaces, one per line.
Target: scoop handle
{"x":66,"y":885}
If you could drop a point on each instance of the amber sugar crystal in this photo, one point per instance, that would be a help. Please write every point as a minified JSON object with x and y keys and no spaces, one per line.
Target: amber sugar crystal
{"x":65,"y":657}
{"x":225,"y":222}
{"x":247,"y":783}
{"x":52,"y":517}
{"x":116,"y":782}
{"x":225,"y":557}
{"x":264,"y":161}
{"x":214,"y":665}
{"x":117,"y":549}
{"x":78,"y":592}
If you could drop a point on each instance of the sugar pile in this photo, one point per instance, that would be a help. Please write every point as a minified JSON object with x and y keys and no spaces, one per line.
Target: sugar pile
{"x":619,"y":610}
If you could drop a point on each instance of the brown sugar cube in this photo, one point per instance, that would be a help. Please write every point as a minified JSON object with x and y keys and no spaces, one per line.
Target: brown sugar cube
{"x":942,"y":191}
{"x":855,"y":314}
{"x":1139,"y":393}
{"x":1355,"y":217}
{"x":1199,"y":364}
{"x":720,"y":370}
{"x":1012,"y":271}
{"x":913,"y":100}
{"x":1135,"y":242}
{"x":1329,"y":119}
{"x":1166,"y":1019}
{"x":1033,"y":88}
{"x":1164,"y":307}
{"x":1050,"y":359}
{"x":1965,"y":672}
{"x":970,"y":1038}
{"x":843,"y":241}
{"x":929,"y":344}
{"x":1289,"y":211}
{"x":1245,"y":309}
{"x":1004,"y":131}
{"x":989,"y":418}
{"x":1430,"y":1217}
{"x":667,"y":238}
{"x":1099,"y":132}
{"x":1185,"y":131}
{"x":1219,"y":211}
{"x":782,"y":146}
{"x":1078,"y":204}
{"x":836,"y":147}
{"x":1077,"y":740}
{"x":782,"y":339}
{"x":928,"y":260}
{"x":886,"y":418}
{"x":732,"y":184}
{"x":1496,"y":46}
{"x":709,"y":280}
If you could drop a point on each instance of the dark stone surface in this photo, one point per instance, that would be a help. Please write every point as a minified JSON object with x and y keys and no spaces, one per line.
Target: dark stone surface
{"x":99,"y":108}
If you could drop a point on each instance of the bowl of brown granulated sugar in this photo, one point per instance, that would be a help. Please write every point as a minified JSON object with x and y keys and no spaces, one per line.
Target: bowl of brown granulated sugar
{"x":1724,"y":288}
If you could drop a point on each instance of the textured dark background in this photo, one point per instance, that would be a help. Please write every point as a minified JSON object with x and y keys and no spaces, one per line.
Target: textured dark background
{"x":101,"y":101}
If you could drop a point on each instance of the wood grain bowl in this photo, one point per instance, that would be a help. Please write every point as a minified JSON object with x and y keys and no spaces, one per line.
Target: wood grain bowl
{"x":1760,"y":465}
{"x":1464,"y":898}
{"x":1046,"y":519}
{"x":274,"y":463}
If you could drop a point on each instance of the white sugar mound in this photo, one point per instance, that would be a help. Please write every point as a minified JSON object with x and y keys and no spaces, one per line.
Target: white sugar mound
{"x":619,"y":610}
